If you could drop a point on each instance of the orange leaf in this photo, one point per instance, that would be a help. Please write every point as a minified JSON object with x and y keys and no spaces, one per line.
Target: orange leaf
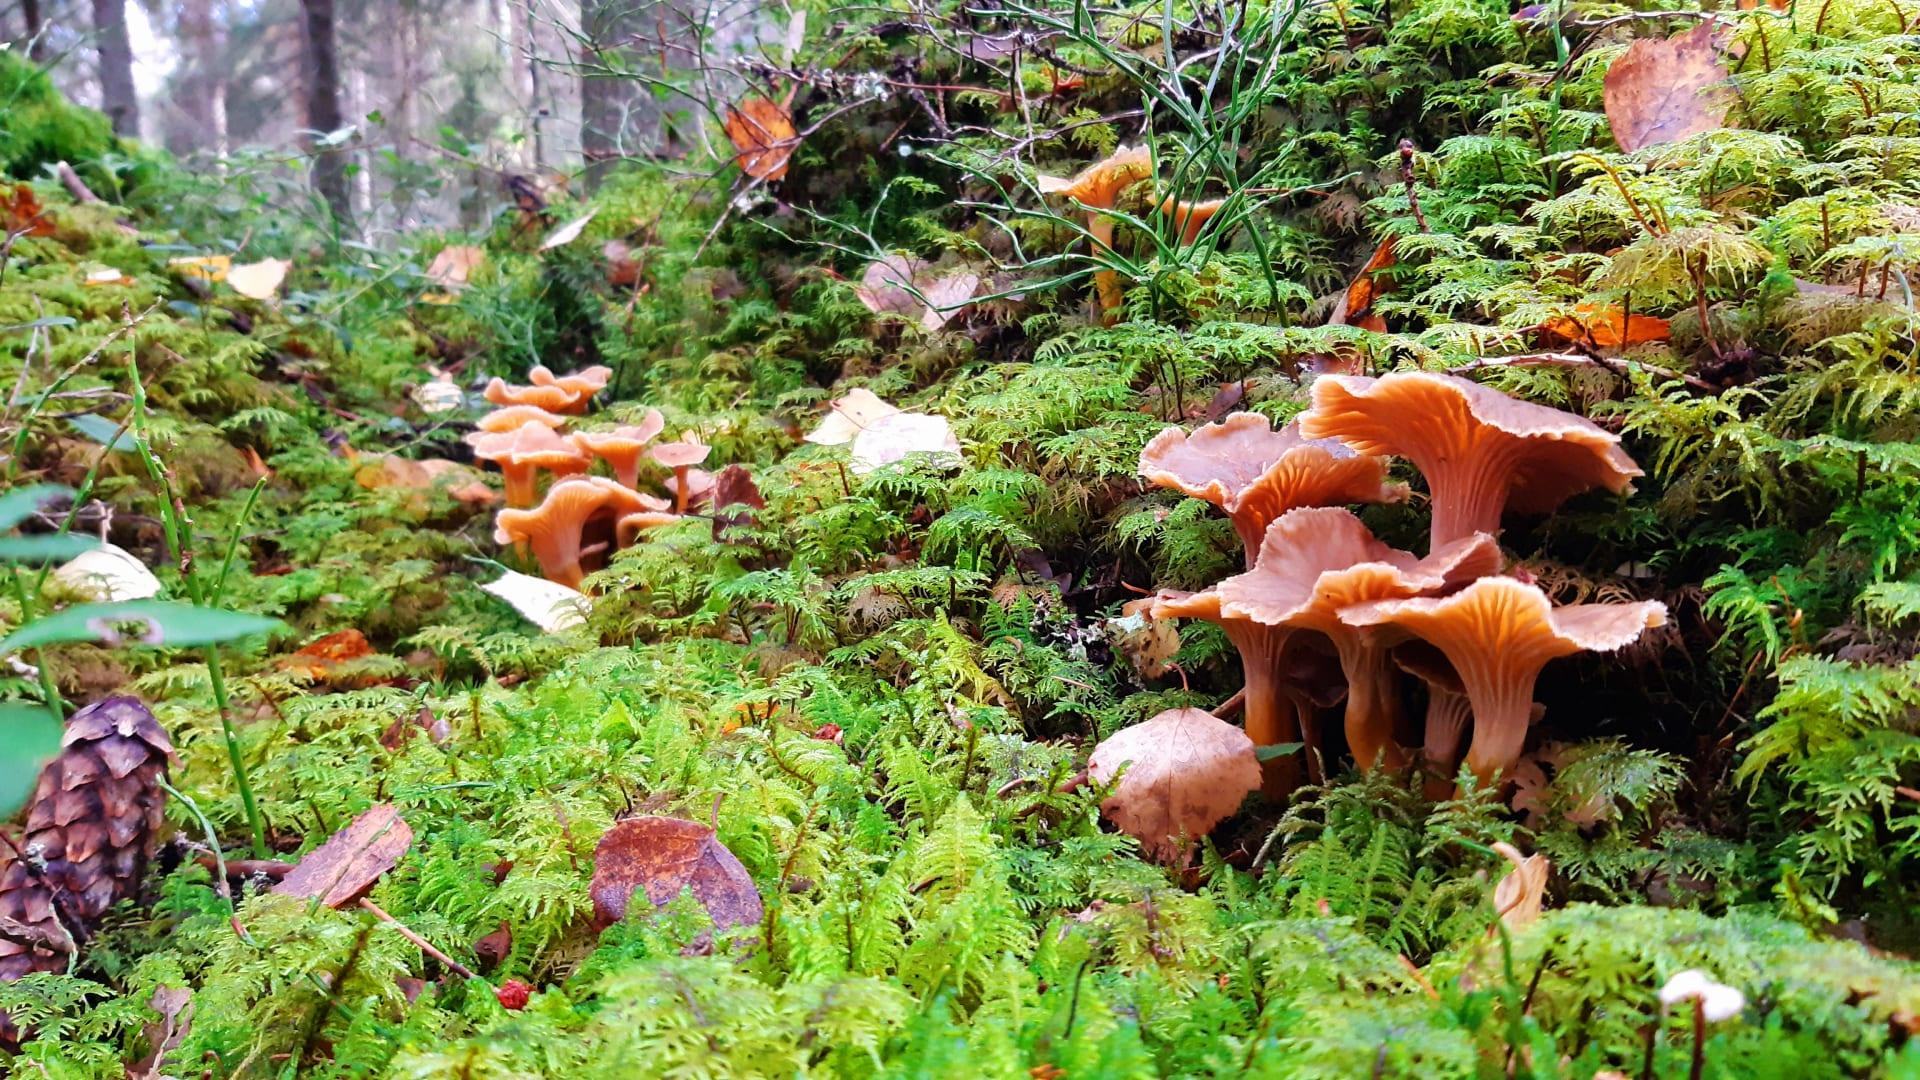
{"x":1356,"y":307}
{"x":341,"y":870}
{"x":1662,"y":90}
{"x":662,"y":856}
{"x":762,"y":130}
{"x":20,"y":212}
{"x":319,"y":656}
{"x":1607,"y":327}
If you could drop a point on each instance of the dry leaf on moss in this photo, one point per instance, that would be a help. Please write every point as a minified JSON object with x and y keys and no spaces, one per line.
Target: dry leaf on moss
{"x":546,"y":604}
{"x":208,"y":268}
{"x":1356,"y":304}
{"x":568,"y":233}
{"x":1147,"y":643}
{"x":892,"y":438}
{"x":319,"y":657}
{"x":1185,"y":771}
{"x":21,"y":213}
{"x":454,"y":267}
{"x":259,"y":280}
{"x":1662,"y":90}
{"x":849,"y":415}
{"x":107,"y":573}
{"x":663,"y":855}
{"x":762,"y":130}
{"x":1522,"y":893}
{"x":341,"y":870}
{"x":1607,"y":326}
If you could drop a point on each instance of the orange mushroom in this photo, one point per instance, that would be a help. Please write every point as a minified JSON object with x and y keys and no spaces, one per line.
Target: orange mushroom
{"x":680,"y":457}
{"x":553,"y":399}
{"x":1498,"y":633}
{"x":516,"y":416}
{"x":699,"y":483}
{"x":622,"y":447}
{"x":1097,"y":187}
{"x":1315,"y":562}
{"x":1190,"y":217}
{"x":556,"y":530}
{"x":1255,"y":473}
{"x":522,"y":452}
{"x":1481,"y":451}
{"x":583,"y":384}
{"x":1448,"y":712}
{"x":629,"y":527}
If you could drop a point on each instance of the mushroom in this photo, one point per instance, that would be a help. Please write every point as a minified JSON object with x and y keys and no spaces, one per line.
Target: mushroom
{"x":680,"y":457}
{"x":1315,"y":562}
{"x":1190,"y":217}
{"x":516,"y":416}
{"x":629,"y":526}
{"x":1498,"y":633}
{"x":1448,"y":712}
{"x":1098,"y":187}
{"x":522,"y":452}
{"x":556,"y":530}
{"x":1481,"y":451}
{"x":583,"y":384}
{"x":554,"y":399}
{"x":699,"y":482}
{"x":622,"y":447}
{"x":1255,"y":473}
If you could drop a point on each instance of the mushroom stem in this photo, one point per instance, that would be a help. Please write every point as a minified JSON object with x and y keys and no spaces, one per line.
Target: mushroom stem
{"x":1469,"y":491}
{"x":1502,"y":708}
{"x":1273,"y":712}
{"x":1373,"y":703}
{"x":558,"y":553}
{"x":680,"y":488}
{"x":1106,"y":283}
{"x":1447,"y":719}
{"x":522,"y":491}
{"x":627,"y":471}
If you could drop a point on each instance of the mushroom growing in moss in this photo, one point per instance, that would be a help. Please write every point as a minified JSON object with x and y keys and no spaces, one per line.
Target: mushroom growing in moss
{"x":1190,"y":217}
{"x":1314,"y":562}
{"x":553,"y":399}
{"x":1449,"y":712}
{"x":582,"y":384}
{"x":556,"y":531}
{"x":1481,"y":451}
{"x":682,"y":456}
{"x":622,"y":447}
{"x":1255,"y":473}
{"x":514,"y":417}
{"x":1498,"y":633}
{"x":522,"y":453}
{"x":1097,"y":187}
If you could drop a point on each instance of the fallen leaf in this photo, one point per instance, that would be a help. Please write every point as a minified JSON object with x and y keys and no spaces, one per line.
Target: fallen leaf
{"x":1521,"y":894}
{"x":1356,"y":304}
{"x":849,"y":415}
{"x":1607,"y":326}
{"x":734,"y":486}
{"x":1186,"y":771}
{"x":662,"y":856}
{"x":945,"y":297}
{"x":886,"y":285}
{"x":377,"y":472}
{"x":21,"y":213}
{"x":494,"y":948}
{"x":892,"y":438}
{"x":1147,"y":643}
{"x":454,"y":266}
{"x":175,"y":1006}
{"x":568,"y":233}
{"x":340,"y":871}
{"x":320,"y":656}
{"x":1662,"y":90}
{"x":623,"y":269}
{"x":259,"y":280}
{"x":105,"y":275}
{"x":762,"y":131}
{"x":255,"y":464}
{"x":1225,"y":400}
{"x":207,"y":268}
{"x":438,"y":395}
{"x":108,"y":573}
{"x":548,"y":605}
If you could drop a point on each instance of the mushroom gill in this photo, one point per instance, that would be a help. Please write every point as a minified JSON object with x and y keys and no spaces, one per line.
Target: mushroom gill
{"x":1256,"y":473}
{"x":522,"y":452}
{"x":1481,"y":451}
{"x":622,"y":447}
{"x":1313,"y":563}
{"x":1498,"y":633}
{"x":556,"y":530}
{"x":513,"y":417}
{"x":1097,"y":187}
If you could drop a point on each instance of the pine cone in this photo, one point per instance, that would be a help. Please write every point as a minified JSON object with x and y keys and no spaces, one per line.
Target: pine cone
{"x":92,"y":825}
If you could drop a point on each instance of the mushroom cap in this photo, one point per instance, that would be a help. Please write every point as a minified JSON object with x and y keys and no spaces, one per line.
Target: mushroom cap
{"x":628,"y":528}
{"x":568,"y":505}
{"x":1425,"y":416}
{"x":626,"y":440}
{"x":516,"y":416}
{"x":1429,"y":665}
{"x":1506,"y":624}
{"x":686,"y":451}
{"x":1190,"y":217}
{"x":1243,"y":462}
{"x":1316,"y":561}
{"x":583,"y":383}
{"x":530,"y":444}
{"x":550,"y":398}
{"x":1100,"y":183}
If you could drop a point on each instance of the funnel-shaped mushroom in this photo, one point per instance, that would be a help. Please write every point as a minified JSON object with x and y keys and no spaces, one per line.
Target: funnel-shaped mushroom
{"x":629,"y":527}
{"x":1498,"y":633}
{"x":1315,"y":562}
{"x":698,"y":482}
{"x":681,"y":456}
{"x":1481,"y":451}
{"x":555,"y":530}
{"x":1098,"y":187}
{"x":1448,"y":712}
{"x":516,"y":416}
{"x":553,"y":399}
{"x":1190,"y":217}
{"x":622,"y":447}
{"x":1255,"y":473}
{"x":582,"y":384}
{"x":522,"y":452}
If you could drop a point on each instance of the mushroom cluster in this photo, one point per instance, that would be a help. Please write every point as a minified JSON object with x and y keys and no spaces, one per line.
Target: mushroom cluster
{"x":1318,"y":581}
{"x":581,"y":518}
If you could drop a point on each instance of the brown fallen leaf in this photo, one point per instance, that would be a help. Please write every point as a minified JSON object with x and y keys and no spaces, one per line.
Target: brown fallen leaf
{"x":494,"y":948}
{"x":21,"y":213}
{"x":733,"y":486}
{"x":320,"y":656}
{"x":1146,"y":642}
{"x":341,"y":870}
{"x":175,"y":1006}
{"x":1662,"y":90}
{"x":1356,"y":304}
{"x":1186,"y":771}
{"x":1607,"y":326}
{"x":1521,"y":894}
{"x":662,"y":856}
{"x":762,"y":132}
{"x":454,"y":266}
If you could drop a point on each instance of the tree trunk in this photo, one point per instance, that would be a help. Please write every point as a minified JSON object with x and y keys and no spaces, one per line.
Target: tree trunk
{"x":117,"y":96}
{"x":30,"y":13}
{"x":603,"y":93}
{"x":323,"y":104}
{"x":202,"y":102}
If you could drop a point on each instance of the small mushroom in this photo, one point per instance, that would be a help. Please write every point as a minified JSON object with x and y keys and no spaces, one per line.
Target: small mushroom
{"x":1255,"y":473}
{"x":1190,"y":217}
{"x":680,"y":457}
{"x":1481,"y":451}
{"x":628,"y":528}
{"x":699,"y":482}
{"x":583,"y":384}
{"x":516,"y":416}
{"x":622,"y":447}
{"x":556,"y":531}
{"x":1448,"y":712}
{"x":1097,"y":187}
{"x":1498,"y":633}
{"x":1316,"y":561}
{"x":553,"y":399}
{"x":523,"y":452}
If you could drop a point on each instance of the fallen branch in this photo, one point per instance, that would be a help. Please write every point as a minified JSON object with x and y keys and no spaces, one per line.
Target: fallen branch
{"x":75,"y":186}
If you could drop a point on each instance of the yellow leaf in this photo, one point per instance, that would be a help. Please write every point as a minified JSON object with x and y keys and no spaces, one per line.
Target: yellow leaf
{"x":259,"y":280}
{"x":208,"y":268}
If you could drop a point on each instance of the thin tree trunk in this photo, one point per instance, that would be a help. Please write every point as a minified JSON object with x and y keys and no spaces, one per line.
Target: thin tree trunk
{"x":323,"y":104}
{"x":118,"y":99}
{"x":30,"y":12}
{"x":602,"y":93}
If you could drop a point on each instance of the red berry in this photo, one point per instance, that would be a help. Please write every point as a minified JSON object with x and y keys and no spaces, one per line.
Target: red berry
{"x":513,"y":994}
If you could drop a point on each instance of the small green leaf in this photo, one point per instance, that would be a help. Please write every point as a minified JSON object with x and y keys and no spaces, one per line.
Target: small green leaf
{"x":1277,"y":750}
{"x":101,"y":430}
{"x":29,"y":736}
{"x":44,"y":548}
{"x":168,"y":623}
{"x":16,"y":505}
